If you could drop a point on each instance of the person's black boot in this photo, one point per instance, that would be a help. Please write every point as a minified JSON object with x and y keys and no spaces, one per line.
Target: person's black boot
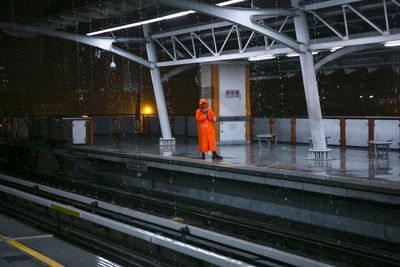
{"x":216,"y":156}
{"x":203,"y":155}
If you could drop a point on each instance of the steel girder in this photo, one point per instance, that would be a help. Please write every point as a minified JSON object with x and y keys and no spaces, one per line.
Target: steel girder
{"x":100,"y":42}
{"x":188,"y":38}
{"x":244,"y":17}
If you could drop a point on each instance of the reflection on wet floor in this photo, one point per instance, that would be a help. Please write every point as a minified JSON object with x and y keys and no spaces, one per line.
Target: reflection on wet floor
{"x":349,"y":162}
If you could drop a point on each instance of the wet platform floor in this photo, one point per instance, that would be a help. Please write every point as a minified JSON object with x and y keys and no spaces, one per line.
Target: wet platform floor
{"x":25,"y":246}
{"x":347,"y":163}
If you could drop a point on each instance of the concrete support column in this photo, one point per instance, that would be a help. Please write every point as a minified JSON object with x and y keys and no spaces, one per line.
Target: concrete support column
{"x":117,"y":124}
{"x":271,"y":125}
{"x":215,"y":99}
{"x":248,"y":107}
{"x":371,"y":132}
{"x":319,"y":150}
{"x":61,"y":129}
{"x":158,"y":90}
{"x":293,"y":130}
{"x":342,"y":124}
{"x":91,"y":132}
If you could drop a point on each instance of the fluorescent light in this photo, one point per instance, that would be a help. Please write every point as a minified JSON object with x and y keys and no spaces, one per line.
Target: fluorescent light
{"x":314,"y":52}
{"x":172,"y":16}
{"x":293,"y":55}
{"x":175,"y":15}
{"x":231,"y":2}
{"x":333,"y":49}
{"x":392,"y":43}
{"x":266,"y":57}
{"x":371,"y":96}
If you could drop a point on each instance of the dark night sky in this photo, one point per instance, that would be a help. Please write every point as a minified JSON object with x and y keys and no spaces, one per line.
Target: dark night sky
{"x":53,"y":76}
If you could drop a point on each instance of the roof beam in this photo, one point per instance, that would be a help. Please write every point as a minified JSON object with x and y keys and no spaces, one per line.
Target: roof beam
{"x":196,"y":28}
{"x":326,"y":4}
{"x":103,"y":43}
{"x":342,"y":52}
{"x":244,"y":17}
{"x":316,"y":44}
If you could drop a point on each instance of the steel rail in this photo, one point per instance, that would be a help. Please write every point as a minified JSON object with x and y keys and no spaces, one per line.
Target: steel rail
{"x":153,"y":238}
{"x":258,"y":231}
{"x":195,"y":231}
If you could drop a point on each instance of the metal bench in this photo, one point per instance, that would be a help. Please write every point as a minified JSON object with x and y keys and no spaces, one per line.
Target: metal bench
{"x":268,"y":138}
{"x":381,"y":147}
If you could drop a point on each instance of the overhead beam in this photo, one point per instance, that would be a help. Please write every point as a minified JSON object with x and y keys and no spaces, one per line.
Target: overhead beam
{"x":316,"y":44}
{"x":176,"y":71}
{"x":366,"y":38}
{"x":342,"y":52}
{"x":326,"y":4}
{"x":196,"y":28}
{"x":230,"y":55}
{"x":103,"y":43}
{"x":245,"y":18}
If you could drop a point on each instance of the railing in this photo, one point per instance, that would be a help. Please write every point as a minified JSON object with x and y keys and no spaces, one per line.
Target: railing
{"x":344,"y":131}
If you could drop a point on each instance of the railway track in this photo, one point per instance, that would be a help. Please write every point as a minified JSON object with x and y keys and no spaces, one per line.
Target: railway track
{"x":221,"y":220}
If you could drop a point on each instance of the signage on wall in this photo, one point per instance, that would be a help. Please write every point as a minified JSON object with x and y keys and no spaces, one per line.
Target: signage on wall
{"x":232,"y":94}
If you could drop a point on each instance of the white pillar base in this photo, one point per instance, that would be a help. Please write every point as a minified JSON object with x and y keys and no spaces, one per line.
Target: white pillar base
{"x":320,"y":154}
{"x":167,"y":146}
{"x":167,"y":142}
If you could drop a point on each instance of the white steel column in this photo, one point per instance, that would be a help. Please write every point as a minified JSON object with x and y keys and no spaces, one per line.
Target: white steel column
{"x":158,"y":90}
{"x":319,"y":150}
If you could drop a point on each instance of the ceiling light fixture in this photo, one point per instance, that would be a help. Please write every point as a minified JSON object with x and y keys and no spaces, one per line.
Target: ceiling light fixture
{"x":392,"y":43}
{"x":265,"y":57}
{"x":112,"y":64}
{"x":131,"y":25}
{"x":333,"y":49}
{"x":231,"y":2}
{"x":171,"y":16}
{"x":293,"y":55}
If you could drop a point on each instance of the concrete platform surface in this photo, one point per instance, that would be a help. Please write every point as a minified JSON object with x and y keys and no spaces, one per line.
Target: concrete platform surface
{"x":25,"y":246}
{"x":350,"y":164}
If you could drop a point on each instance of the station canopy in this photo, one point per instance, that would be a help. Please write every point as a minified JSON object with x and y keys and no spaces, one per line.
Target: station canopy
{"x":347,"y":34}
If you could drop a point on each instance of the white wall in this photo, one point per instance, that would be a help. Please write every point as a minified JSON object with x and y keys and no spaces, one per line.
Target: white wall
{"x":302,"y":130}
{"x":232,"y":77}
{"x":386,"y":130}
{"x":357,"y":133}
{"x":282,"y":127}
{"x":261,"y":126}
{"x":356,"y":130}
{"x":332,"y":129}
{"x":232,"y":130}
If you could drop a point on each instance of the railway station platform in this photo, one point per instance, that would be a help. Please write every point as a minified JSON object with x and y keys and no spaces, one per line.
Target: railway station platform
{"x":349,"y":165}
{"x":355,"y":193}
{"x":350,"y":202}
{"x":23,"y":245}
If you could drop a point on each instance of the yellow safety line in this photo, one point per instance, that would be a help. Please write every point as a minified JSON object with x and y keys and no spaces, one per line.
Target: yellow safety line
{"x":228,"y":165}
{"x":32,"y":252}
{"x":65,"y":210}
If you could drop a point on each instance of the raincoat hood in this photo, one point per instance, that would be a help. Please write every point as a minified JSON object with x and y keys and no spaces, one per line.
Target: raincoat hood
{"x":203,"y":101}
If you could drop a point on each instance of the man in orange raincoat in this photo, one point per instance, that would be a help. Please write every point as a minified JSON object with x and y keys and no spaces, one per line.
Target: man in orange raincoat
{"x":205,"y":129}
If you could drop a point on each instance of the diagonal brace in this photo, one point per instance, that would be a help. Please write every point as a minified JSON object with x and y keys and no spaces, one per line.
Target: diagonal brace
{"x":373,"y":25}
{"x":245,"y":18}
{"x":330,"y":27}
{"x":103,"y":43}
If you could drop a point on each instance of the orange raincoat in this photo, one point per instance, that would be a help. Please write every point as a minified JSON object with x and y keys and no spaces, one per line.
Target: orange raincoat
{"x":205,"y":129}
